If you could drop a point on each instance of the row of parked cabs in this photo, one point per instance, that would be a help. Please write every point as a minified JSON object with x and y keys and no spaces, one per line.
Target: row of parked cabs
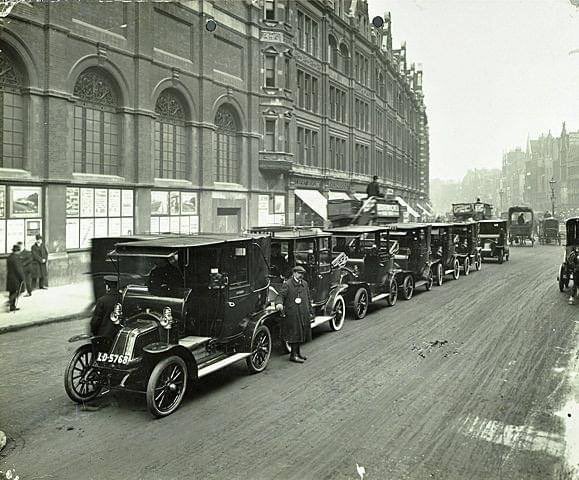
{"x":191,"y":305}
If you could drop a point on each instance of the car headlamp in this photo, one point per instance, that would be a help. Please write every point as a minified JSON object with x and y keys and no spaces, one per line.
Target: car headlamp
{"x":116,"y":314}
{"x":167,"y":318}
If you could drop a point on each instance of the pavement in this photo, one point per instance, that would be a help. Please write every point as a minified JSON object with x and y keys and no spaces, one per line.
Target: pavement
{"x":56,"y":304}
{"x":468,"y":381}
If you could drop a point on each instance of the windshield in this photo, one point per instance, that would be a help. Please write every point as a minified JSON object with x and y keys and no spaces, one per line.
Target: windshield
{"x":161,"y":276}
{"x":521,"y":218}
{"x":572,"y":232}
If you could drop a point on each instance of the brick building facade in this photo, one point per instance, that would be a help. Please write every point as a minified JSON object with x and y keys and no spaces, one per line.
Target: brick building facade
{"x":122,"y":118}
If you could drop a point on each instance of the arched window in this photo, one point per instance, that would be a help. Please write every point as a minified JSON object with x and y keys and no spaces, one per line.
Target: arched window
{"x":11,"y":114}
{"x":381,"y":85}
{"x":170,"y":137}
{"x":345,"y":59}
{"x":96,"y":124}
{"x":226,"y":146}
{"x":333,"y":51}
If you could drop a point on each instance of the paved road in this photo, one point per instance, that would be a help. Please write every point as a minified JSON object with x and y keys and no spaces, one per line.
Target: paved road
{"x":382,"y":393}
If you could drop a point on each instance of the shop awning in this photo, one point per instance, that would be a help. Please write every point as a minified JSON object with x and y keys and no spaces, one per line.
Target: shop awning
{"x":410,"y":210}
{"x":315,"y":200}
{"x":425,"y":210}
{"x":338,"y":195}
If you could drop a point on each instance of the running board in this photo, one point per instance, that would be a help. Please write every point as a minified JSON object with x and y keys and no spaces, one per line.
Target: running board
{"x":448,"y":272}
{"x":382,"y":296}
{"x":321,"y":319}
{"x":420,"y":283}
{"x":221,"y":364}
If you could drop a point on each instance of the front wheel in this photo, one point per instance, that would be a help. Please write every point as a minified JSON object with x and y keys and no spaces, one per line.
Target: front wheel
{"x":466,"y":266}
{"x":561,"y":279}
{"x":456,"y":269}
{"x":392,"y":297}
{"x":477,"y":262}
{"x":166,"y":387}
{"x":408,"y":287}
{"x":80,"y":379}
{"x":439,"y":275}
{"x":429,"y":280}
{"x":500,"y":257}
{"x":361,"y":303}
{"x":338,"y":314}
{"x":260,"y":350}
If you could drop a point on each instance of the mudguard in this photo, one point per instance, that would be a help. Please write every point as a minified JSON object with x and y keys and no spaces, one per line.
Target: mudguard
{"x":338,"y":290}
{"x":155,"y":352}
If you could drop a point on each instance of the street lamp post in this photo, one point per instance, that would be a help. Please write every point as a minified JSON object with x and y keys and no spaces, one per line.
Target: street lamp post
{"x":552,"y":183}
{"x":501,"y":194}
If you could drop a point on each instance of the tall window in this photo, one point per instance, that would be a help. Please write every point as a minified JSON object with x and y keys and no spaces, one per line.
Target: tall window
{"x":11,"y":115}
{"x":269,"y":140}
{"x":270,"y":9}
{"x":345,"y":59}
{"x":96,"y":124}
{"x":288,"y":74}
{"x":269,"y":71}
{"x":333,"y":51}
{"x":227,"y":146}
{"x":170,"y":137}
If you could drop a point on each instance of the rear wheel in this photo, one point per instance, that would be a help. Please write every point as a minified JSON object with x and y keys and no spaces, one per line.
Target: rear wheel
{"x":393,"y":293}
{"x":500,"y":256}
{"x":361,"y":300}
{"x":439,"y":275}
{"x":466,"y":265}
{"x":260,"y":350}
{"x":561,"y":279}
{"x":166,"y":386}
{"x":408,"y":287}
{"x":456,"y":269}
{"x":80,"y":379}
{"x":338,"y":314}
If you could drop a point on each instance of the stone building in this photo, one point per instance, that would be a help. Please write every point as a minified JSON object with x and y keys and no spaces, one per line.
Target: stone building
{"x":121,"y":118}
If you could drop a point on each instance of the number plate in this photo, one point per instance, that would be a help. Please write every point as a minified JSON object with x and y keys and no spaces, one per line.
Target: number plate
{"x":113,"y":358}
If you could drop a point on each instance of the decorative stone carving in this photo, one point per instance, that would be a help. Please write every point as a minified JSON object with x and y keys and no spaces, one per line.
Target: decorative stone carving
{"x":94,"y":86}
{"x":9,"y":75}
{"x":306,"y":60}
{"x":269,"y":36}
{"x":308,"y":182}
{"x":224,"y":120}
{"x":169,"y":106}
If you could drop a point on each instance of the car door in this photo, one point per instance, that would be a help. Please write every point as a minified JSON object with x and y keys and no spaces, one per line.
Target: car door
{"x":323,"y":274}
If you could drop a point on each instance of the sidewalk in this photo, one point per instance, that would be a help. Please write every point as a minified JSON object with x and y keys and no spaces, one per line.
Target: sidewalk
{"x":56,"y":304}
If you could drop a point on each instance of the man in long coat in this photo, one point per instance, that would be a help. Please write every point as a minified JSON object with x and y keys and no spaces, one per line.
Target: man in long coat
{"x":39,"y":260}
{"x":26,"y":260}
{"x":294,"y":300}
{"x":101,"y":324}
{"x":14,"y":277}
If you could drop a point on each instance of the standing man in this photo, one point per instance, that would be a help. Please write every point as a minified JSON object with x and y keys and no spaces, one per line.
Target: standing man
{"x":101,"y":324}
{"x":40,"y":258}
{"x":373,"y":188}
{"x":294,"y":300}
{"x":26,"y":260}
{"x":14,"y":277}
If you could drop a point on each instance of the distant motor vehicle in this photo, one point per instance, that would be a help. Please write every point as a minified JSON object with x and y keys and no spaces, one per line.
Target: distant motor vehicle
{"x":521,"y":224}
{"x":549,"y":231}
{"x":443,"y":257}
{"x":493,"y":235}
{"x":466,"y":244}
{"x":569,"y":269}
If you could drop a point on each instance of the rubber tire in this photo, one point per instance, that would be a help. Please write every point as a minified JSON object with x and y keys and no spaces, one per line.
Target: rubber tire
{"x":361,"y":293}
{"x":430,"y":281}
{"x":408,"y":287}
{"x":334,"y":325}
{"x":162,"y":365}
{"x":393,"y":293}
{"x":561,"y":280}
{"x":456,"y":269}
{"x":74,"y":396}
{"x":439,"y":275}
{"x":250,"y":366}
{"x":466,"y":266}
{"x":500,"y":257}
{"x":478,"y":262}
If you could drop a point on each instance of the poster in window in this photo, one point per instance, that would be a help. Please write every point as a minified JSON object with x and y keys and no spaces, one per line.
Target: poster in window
{"x":159,"y":202}
{"x":263,"y":209}
{"x":154,"y":225}
{"x":114,"y":203}
{"x":164,"y":225}
{"x":33,"y":228}
{"x":127,"y":203}
{"x":2,"y":202}
{"x":25,"y":202}
{"x":100,"y":202}
{"x":86,"y":231}
{"x":127,"y":226}
{"x":175,"y":203}
{"x":194,"y":224}
{"x":101,"y":227}
{"x":2,"y":236}
{"x":279,"y":204}
{"x":72,"y":202}
{"x":189,"y":203}
{"x":72,"y":233}
{"x":14,"y":233}
{"x":184,"y":227}
{"x":175,"y":225}
{"x":114,"y":227}
{"x":86,"y":203}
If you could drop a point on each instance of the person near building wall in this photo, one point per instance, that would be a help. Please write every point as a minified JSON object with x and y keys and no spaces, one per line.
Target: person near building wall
{"x":26,"y":260}
{"x":40,"y":260}
{"x":14,"y":277}
{"x":373,"y":188}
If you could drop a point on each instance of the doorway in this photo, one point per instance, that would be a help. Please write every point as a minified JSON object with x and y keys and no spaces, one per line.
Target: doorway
{"x":228,"y":220}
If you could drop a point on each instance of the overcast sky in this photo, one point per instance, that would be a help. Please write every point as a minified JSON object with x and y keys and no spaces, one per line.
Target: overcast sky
{"x":495,"y":71}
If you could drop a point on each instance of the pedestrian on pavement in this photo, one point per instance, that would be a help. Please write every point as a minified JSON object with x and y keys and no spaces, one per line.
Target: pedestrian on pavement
{"x":40,"y":259}
{"x":14,"y":277}
{"x":373,"y":188}
{"x":26,"y":260}
{"x":101,"y":324}
{"x":294,"y":300}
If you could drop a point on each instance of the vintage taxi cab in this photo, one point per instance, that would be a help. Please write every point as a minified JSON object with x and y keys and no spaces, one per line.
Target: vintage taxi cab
{"x":493,"y":239}
{"x":569,"y":269}
{"x":190,"y":305}
{"x":443,"y":257}
{"x":521,"y":226}
{"x":466,"y":244}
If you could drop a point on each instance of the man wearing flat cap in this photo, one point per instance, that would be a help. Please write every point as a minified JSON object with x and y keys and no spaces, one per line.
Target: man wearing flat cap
{"x":294,"y":300}
{"x":14,"y":277}
{"x":39,"y":261}
{"x":101,"y":324}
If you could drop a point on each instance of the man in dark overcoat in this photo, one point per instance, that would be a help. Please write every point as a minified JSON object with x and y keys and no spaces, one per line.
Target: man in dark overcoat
{"x":14,"y":277}
{"x":294,"y":300}
{"x":101,"y":324}
{"x":26,"y":260}
{"x":39,"y":261}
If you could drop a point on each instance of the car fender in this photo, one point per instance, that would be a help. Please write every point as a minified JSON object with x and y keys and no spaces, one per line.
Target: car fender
{"x":334,"y":293}
{"x":155,"y":352}
{"x":269,"y":318}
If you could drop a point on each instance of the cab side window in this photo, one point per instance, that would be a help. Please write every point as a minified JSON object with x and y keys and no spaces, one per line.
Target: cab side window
{"x":236,"y":264}
{"x":325,"y":255}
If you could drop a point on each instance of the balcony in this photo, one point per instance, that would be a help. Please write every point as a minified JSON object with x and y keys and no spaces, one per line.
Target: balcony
{"x":275,"y":162}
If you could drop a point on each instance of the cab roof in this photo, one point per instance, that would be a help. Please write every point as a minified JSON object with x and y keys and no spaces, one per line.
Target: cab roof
{"x":289,"y":233}
{"x":186,"y":241}
{"x":408,"y":226}
{"x":358,"y":229}
{"x":493,"y":220}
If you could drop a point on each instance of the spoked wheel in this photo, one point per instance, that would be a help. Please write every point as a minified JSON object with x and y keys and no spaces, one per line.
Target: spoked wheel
{"x":562,"y":276}
{"x":338,"y":314}
{"x":260,"y":350}
{"x":80,"y":379}
{"x":477,"y":262}
{"x":500,"y":257}
{"x":166,"y":387}
{"x":408,"y":287}
{"x":456,"y":270}
{"x":439,"y":275}
{"x":392,"y":297}
{"x":466,"y":266}
{"x":429,"y":280}
{"x":361,"y":300}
